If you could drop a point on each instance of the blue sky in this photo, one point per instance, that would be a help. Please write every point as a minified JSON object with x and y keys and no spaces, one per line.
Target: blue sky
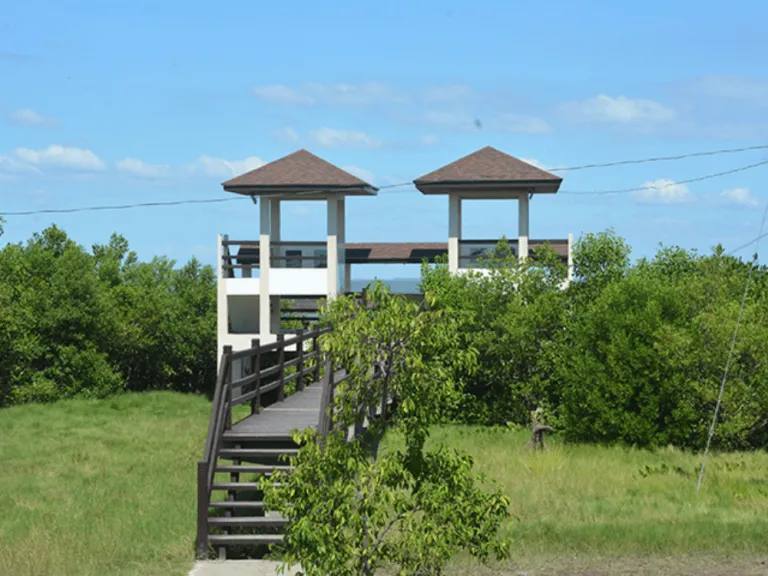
{"x":122,"y":102}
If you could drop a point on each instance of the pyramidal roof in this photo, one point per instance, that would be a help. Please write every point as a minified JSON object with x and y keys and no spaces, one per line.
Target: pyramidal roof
{"x":298,"y":172}
{"x":488,"y":166}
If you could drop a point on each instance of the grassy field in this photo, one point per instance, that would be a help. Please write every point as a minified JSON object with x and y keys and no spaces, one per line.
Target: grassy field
{"x":108,"y":487}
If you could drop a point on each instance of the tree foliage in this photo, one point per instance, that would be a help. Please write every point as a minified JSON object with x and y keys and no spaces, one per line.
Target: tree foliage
{"x":627,"y":353}
{"x":78,"y":322}
{"x":355,"y":508}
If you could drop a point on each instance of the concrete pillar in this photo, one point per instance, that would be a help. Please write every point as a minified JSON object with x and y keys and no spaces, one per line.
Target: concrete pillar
{"x":522,"y":226}
{"x":454,"y":231}
{"x":222,"y":308}
{"x":348,"y":277}
{"x":265,"y":222}
{"x":274,"y":235}
{"x":333,"y":246}
{"x":341,"y":244}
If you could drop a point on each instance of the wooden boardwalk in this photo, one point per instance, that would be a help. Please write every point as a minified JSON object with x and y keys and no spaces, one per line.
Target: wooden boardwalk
{"x":258,"y":444}
{"x":300,"y":410}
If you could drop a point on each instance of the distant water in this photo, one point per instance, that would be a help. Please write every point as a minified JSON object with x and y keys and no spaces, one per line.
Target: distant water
{"x":396,"y":285}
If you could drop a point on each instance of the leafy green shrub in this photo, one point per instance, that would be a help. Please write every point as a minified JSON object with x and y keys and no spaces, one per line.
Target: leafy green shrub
{"x":92,"y":324}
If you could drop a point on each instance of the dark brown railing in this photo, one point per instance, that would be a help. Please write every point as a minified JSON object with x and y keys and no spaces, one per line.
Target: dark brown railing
{"x":231,"y":392}
{"x":247,"y":258}
{"x":485,"y":248}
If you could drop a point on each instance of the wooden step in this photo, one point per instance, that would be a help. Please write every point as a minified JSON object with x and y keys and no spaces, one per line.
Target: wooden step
{"x":253,"y":469}
{"x":237,"y":505}
{"x":232,"y":486}
{"x":250,"y":521}
{"x":236,"y":486}
{"x":244,"y":539}
{"x":256,"y":452}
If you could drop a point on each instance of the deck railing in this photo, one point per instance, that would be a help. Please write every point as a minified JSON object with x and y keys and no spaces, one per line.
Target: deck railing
{"x":472,"y":251}
{"x":268,"y":375}
{"x":244,"y":256}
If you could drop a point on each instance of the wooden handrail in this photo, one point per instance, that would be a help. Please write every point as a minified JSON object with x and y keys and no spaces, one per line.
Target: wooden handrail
{"x":207,"y":466}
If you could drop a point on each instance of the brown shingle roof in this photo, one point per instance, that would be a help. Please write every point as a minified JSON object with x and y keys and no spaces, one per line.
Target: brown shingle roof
{"x":488,"y":167}
{"x":299,"y":172}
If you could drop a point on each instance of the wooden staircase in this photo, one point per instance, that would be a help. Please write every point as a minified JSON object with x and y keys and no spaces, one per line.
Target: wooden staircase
{"x":231,"y":513}
{"x":237,"y":515}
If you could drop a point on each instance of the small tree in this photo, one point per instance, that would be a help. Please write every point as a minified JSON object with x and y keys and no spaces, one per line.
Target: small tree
{"x":352,"y":507}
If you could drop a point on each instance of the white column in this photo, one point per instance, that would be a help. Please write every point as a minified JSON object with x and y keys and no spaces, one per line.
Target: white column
{"x":333,"y":246}
{"x":265,"y":217}
{"x":522,"y":226}
{"x":222,"y":310}
{"x":274,"y":236}
{"x":570,"y":257}
{"x":454,"y":231}
{"x":341,"y":241}
{"x":348,"y":277}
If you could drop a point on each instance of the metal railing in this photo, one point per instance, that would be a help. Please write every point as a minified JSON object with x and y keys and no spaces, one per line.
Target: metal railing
{"x":245,"y":256}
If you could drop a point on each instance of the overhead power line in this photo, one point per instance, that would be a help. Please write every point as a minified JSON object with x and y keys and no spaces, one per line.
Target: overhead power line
{"x":747,"y":244}
{"x":752,"y":267}
{"x":404,"y":184}
{"x":668,"y":185}
{"x":660,"y":158}
{"x":118,"y":206}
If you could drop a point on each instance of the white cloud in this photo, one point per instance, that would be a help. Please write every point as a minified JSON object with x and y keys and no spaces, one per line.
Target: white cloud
{"x":505,"y":122}
{"x":332,"y":138}
{"x":138,"y":168}
{"x":221,"y":168}
{"x":451,"y":120}
{"x":361,"y":173}
{"x":62,"y":156}
{"x":9,"y":164}
{"x":29,"y":117}
{"x":534,"y":162}
{"x":338,"y":94}
{"x":286,"y":134}
{"x":733,"y":87}
{"x":282,"y":94}
{"x":619,"y":110}
{"x":453,"y":93}
{"x":664,"y":191}
{"x":740,"y":197}
{"x":523,"y":124}
{"x":429,"y":140}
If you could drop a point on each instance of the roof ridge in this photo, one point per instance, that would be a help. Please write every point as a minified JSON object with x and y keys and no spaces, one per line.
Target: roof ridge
{"x":298,"y":170}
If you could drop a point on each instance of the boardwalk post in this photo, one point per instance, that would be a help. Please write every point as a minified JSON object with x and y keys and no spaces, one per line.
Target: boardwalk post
{"x":281,"y":363}
{"x":228,"y":387}
{"x":256,"y":369}
{"x":316,"y":351}
{"x":202,"y":510}
{"x":300,"y":365}
{"x":324,"y":423}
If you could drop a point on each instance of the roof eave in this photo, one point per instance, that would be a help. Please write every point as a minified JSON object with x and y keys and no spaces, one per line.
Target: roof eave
{"x":300,"y":190}
{"x":548,"y":186}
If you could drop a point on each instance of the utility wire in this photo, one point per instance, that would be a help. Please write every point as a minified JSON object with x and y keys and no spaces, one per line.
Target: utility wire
{"x":752,"y":267}
{"x":403,"y":184}
{"x":688,"y":181}
{"x":638,"y":189}
{"x":738,"y":248}
{"x":659,"y":158}
{"x":118,"y":207}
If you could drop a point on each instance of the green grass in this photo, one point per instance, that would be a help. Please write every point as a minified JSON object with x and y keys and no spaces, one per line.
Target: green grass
{"x":101,"y":487}
{"x":575,"y":503}
{"x":108,"y":487}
